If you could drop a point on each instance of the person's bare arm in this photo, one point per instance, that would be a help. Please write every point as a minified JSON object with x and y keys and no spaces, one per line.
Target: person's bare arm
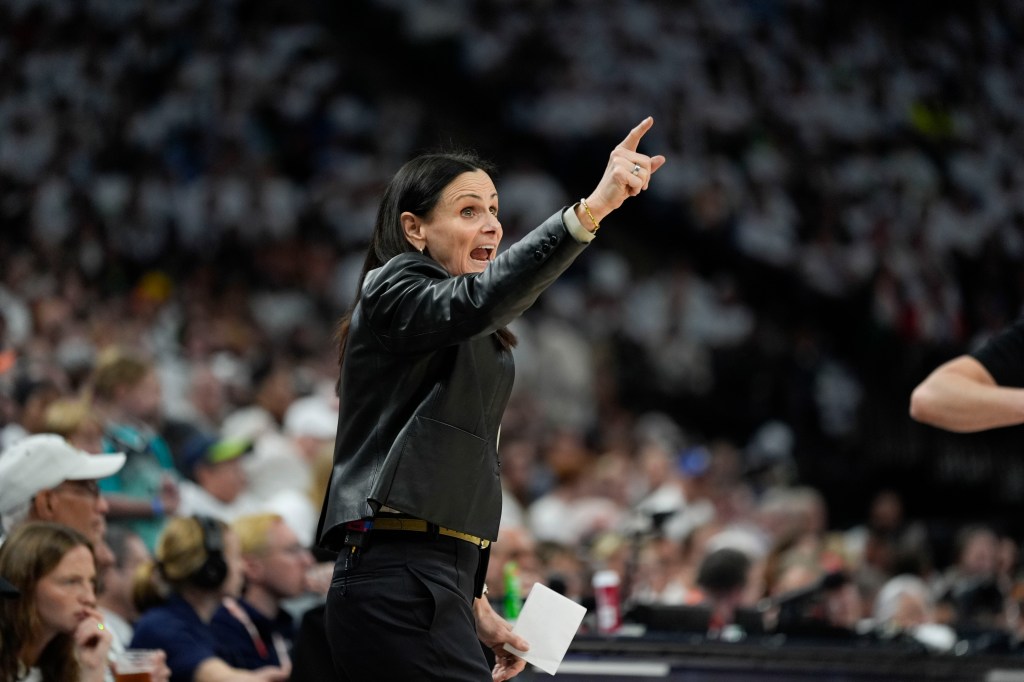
{"x":216,"y":670}
{"x":126,"y":507}
{"x":962,"y":396}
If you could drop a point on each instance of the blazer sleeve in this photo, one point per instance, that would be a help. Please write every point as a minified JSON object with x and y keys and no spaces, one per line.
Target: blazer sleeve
{"x":412,"y":305}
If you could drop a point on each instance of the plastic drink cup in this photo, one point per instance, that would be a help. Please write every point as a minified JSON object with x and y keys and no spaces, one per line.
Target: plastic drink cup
{"x":135,"y":665}
{"x":606,"y":596}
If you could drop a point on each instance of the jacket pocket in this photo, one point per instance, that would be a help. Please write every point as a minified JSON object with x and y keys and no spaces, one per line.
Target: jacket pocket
{"x":443,"y":474}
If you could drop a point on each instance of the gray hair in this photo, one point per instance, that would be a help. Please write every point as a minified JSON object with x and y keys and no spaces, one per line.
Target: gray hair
{"x":888,"y":599}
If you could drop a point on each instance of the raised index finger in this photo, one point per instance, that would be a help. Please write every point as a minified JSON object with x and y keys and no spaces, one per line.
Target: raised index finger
{"x":633,"y":138}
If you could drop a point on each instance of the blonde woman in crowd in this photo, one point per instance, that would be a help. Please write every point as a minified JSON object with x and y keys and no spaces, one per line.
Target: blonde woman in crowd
{"x":198,"y":562}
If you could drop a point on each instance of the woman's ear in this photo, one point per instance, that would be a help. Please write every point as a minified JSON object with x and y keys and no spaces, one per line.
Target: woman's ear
{"x":412,"y":225}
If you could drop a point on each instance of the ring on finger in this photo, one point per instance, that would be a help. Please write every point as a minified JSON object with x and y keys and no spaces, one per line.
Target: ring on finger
{"x":636,"y":169}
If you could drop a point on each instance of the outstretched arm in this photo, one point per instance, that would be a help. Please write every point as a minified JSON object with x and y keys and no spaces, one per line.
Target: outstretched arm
{"x":962,"y":396}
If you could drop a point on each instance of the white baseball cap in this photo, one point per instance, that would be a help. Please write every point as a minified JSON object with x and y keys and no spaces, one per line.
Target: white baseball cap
{"x":43,"y":461}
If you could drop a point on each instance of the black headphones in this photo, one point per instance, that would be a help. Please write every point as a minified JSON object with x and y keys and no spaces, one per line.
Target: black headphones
{"x":214,"y":570}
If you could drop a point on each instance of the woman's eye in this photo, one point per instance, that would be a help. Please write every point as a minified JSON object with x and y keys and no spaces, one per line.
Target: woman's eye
{"x":468,"y":213}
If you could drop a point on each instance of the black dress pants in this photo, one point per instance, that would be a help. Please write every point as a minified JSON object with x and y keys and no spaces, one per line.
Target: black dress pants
{"x":403,"y":611}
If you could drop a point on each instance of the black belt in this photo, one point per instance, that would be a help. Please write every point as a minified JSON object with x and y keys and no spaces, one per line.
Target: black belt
{"x":411,"y":525}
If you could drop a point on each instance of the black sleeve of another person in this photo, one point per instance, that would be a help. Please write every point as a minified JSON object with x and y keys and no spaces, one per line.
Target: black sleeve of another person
{"x":1003,"y":355}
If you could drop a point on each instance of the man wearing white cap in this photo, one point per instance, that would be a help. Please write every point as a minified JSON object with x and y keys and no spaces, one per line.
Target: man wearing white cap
{"x":44,"y":478}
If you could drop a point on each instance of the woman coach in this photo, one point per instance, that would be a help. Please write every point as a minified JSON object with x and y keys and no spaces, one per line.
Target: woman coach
{"x":426,"y":371}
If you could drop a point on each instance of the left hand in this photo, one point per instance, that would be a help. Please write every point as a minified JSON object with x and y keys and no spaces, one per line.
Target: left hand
{"x":92,"y":644}
{"x":619,"y":181}
{"x":494,"y":631}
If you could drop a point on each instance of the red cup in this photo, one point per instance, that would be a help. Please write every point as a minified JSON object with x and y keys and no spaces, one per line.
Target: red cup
{"x":609,"y":607}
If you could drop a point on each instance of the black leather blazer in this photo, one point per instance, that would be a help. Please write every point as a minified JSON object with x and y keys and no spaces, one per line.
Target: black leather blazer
{"x":425,"y":382}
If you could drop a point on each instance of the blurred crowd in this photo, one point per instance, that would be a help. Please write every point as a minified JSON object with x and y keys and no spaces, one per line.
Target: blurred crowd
{"x":186,"y":189}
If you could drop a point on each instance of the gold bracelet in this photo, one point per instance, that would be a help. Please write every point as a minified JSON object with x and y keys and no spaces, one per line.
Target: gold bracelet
{"x":597,"y":225}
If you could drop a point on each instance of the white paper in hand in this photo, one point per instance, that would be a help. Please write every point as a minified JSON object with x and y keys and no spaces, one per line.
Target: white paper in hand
{"x":548,"y":622}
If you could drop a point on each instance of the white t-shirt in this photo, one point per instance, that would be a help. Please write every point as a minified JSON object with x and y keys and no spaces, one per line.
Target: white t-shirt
{"x":196,"y":500}
{"x":296,"y":509}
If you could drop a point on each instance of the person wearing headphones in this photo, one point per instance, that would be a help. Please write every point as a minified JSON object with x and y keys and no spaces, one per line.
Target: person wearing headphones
{"x":198,"y":562}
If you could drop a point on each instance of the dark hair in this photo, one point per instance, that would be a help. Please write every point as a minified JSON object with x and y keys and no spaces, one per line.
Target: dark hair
{"x":117,"y":538}
{"x":723,"y":571}
{"x":30,"y":553}
{"x":416,"y":188}
{"x":966,"y":534}
{"x":25,"y":387}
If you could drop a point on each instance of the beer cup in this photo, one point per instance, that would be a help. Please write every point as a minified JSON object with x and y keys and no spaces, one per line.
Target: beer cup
{"x":135,"y":665}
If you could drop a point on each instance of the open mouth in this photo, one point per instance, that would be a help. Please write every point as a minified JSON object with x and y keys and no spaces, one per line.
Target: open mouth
{"x":483,"y":254}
